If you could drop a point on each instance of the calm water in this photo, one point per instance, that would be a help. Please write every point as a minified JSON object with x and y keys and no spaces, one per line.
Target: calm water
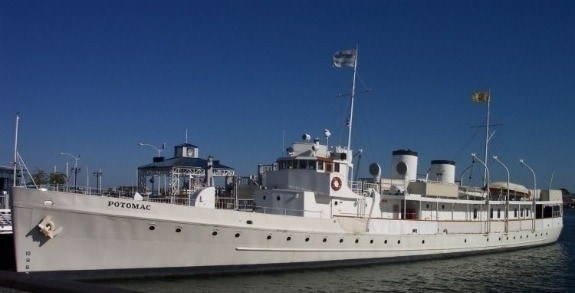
{"x":550,"y":269}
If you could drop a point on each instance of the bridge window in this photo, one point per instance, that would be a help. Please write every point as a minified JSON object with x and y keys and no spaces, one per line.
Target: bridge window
{"x":336,"y":167}
{"x":320,"y":165}
{"x":475,"y":213}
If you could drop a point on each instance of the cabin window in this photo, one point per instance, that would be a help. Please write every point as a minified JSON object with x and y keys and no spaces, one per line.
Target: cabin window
{"x":475,"y":213}
{"x":303,"y":164}
{"x":491,"y":213}
{"x":515,"y":211}
{"x":328,"y":167}
{"x":320,"y":165}
{"x":498,"y":213}
{"x":336,"y":169}
{"x":311,"y":165}
{"x":522,"y":212}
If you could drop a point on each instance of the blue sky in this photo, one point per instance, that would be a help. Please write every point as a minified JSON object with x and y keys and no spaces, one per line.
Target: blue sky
{"x":246,"y":78}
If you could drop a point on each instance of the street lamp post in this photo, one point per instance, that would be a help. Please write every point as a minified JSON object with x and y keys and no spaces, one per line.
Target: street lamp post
{"x":98,"y":175}
{"x":533,"y":209}
{"x":154,"y":147}
{"x":486,"y":189}
{"x":507,"y":196}
{"x":159,"y":150}
{"x":76,"y":169}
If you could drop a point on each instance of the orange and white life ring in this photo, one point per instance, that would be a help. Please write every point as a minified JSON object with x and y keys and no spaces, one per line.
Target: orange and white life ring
{"x":336,"y":183}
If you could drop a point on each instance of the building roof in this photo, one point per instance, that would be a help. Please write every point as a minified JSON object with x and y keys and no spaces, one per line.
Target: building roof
{"x":185,"y":162}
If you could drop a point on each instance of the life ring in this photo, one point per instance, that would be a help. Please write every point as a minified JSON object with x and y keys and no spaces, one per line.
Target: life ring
{"x":336,"y":183}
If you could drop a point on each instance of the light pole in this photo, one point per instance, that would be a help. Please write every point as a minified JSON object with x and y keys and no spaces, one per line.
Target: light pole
{"x":157,"y":149}
{"x":506,"y":169}
{"x":522,"y":162}
{"x":75,"y":169}
{"x":98,"y":175}
{"x":507,"y":196}
{"x":487,"y":190}
{"x":534,"y":212}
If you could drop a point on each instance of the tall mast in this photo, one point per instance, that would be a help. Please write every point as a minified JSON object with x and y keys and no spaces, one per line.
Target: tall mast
{"x":15,"y":150}
{"x":352,"y":100}
{"x":487,"y":138}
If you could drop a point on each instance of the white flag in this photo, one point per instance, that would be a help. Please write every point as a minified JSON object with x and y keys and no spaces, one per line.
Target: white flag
{"x":345,"y":58}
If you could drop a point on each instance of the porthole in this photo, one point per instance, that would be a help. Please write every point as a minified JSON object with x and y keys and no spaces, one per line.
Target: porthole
{"x":237,"y":235}
{"x":371,"y":241}
{"x":422,"y":241}
{"x":385,"y":242}
{"x":398,"y":241}
{"x":264,"y":197}
{"x":324,"y":239}
{"x":269,"y":237}
{"x":341,"y":240}
{"x":307,"y":239}
{"x":214,"y":233}
{"x":335,"y":202}
{"x":465,"y":241}
{"x":499,"y":238}
{"x":152,"y":227}
{"x":249,"y":222}
{"x":288,"y":238}
{"x":487,"y":239}
{"x":178,"y":229}
{"x":356,"y":240}
{"x":278,"y":198}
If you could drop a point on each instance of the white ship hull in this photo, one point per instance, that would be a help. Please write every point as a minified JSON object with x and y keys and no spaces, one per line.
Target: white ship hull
{"x":99,"y":237}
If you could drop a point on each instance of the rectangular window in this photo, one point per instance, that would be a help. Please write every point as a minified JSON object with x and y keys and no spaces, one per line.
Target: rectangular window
{"x":491,"y":213}
{"x":320,"y":165}
{"x":336,"y":167}
{"x":475,"y":213}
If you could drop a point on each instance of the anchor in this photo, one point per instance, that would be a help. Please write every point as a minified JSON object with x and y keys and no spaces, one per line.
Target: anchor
{"x":48,"y":228}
